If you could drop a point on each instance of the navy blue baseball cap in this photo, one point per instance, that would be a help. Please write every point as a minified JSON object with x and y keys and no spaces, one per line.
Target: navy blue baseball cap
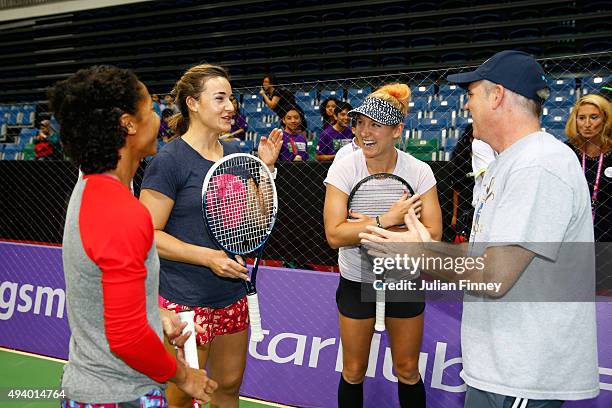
{"x":514,"y":70}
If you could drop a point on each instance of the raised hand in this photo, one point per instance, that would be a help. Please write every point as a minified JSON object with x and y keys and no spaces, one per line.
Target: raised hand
{"x":269,"y":147}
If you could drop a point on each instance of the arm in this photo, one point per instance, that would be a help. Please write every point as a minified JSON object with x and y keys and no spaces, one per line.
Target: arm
{"x":271,"y":102}
{"x":325,"y":157}
{"x":172,"y":248}
{"x":431,"y":214}
{"x":341,"y":232}
{"x":498,"y":265}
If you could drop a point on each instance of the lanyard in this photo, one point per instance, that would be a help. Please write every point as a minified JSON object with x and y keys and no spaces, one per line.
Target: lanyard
{"x":597,"y":178}
{"x":294,"y":148}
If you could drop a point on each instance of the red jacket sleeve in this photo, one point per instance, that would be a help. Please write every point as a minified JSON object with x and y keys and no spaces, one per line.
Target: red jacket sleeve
{"x":117,"y":233}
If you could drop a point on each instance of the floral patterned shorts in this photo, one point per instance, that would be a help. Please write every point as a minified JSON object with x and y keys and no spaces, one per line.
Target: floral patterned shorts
{"x":215,"y":322}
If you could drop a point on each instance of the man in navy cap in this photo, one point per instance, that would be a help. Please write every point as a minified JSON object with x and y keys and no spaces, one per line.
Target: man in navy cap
{"x":522,"y":346}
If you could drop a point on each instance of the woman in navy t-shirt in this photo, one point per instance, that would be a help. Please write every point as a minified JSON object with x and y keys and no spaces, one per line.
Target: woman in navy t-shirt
{"x":195,"y":273}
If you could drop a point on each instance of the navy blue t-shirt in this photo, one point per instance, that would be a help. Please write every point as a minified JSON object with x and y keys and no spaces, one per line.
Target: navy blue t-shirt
{"x":178,"y":172}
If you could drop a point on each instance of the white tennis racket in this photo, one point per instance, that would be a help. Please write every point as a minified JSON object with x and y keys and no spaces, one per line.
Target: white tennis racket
{"x":240,"y":206}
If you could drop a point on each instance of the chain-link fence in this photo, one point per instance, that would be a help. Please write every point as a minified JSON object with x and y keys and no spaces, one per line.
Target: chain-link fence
{"x":34,"y":193}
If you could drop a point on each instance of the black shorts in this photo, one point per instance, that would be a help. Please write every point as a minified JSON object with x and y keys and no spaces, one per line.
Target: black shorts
{"x":348,"y":299}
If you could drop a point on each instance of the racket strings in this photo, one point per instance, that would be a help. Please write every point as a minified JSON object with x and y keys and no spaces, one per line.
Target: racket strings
{"x":240,"y":204}
{"x":376,"y":196}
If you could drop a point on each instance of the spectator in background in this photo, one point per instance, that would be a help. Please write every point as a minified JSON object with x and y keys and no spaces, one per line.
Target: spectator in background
{"x":165,"y":130}
{"x":589,"y":131}
{"x":327,"y":110}
{"x":280,"y":100}
{"x":169,"y":104}
{"x":295,"y":147}
{"x":349,"y":147}
{"x":239,"y":123}
{"x":156,"y":105}
{"x":336,"y":136}
{"x":46,"y":143}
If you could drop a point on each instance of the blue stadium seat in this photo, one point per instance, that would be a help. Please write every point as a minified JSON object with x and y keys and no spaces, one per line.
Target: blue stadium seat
{"x":12,"y":116}
{"x":393,"y":43}
{"x":562,"y":84}
{"x":445,"y":105}
{"x":525,"y":32}
{"x":356,"y":93}
{"x":555,"y":117}
{"x":333,"y":48}
{"x":423,"y":41}
{"x":486,"y":36}
{"x":262,"y":128}
{"x":394,"y":26}
{"x":461,"y":122}
{"x":559,"y":113}
{"x":450,"y":143}
{"x":306,"y":34}
{"x":361,"y":63}
{"x":556,"y":129}
{"x":446,"y":116}
{"x":11,"y":151}
{"x":454,"y":21}
{"x":593,"y":84}
{"x":335,"y":64}
{"x":310,"y":109}
{"x":306,"y":97}
{"x":247,"y":146}
{"x":431,"y":128}
{"x":332,"y":32}
{"x":394,"y":61}
{"x":361,"y":46}
{"x":308,"y":66}
{"x":419,"y":104}
{"x":28,"y":113}
{"x":314,"y":122}
{"x":361,"y":29}
{"x":560,"y":100}
{"x":423,"y":91}
{"x":25,"y":136}
{"x":450,"y":90}
{"x":486,"y":18}
{"x":327,"y":93}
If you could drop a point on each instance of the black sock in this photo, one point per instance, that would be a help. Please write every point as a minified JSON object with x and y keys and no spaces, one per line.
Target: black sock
{"x":349,"y":395}
{"x":411,"y":396}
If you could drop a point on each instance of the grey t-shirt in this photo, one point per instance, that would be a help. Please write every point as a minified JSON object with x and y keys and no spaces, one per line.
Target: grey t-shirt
{"x":534,"y":195}
{"x":344,"y":174}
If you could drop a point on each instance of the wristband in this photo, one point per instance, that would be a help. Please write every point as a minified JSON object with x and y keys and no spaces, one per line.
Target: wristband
{"x":378,"y":224}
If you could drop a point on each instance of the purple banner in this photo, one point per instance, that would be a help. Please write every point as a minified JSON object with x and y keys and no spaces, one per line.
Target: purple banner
{"x":299,"y":360}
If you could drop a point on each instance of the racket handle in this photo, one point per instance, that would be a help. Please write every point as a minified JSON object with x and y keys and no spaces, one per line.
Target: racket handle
{"x":255,"y":318}
{"x":191,"y":349}
{"x":379,"y":325}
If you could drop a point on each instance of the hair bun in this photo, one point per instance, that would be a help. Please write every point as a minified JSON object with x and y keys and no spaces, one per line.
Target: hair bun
{"x":401,"y":92}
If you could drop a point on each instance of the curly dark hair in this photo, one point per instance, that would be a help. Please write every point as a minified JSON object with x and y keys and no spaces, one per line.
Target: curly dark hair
{"x":88,"y":106}
{"x":322,"y":110}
